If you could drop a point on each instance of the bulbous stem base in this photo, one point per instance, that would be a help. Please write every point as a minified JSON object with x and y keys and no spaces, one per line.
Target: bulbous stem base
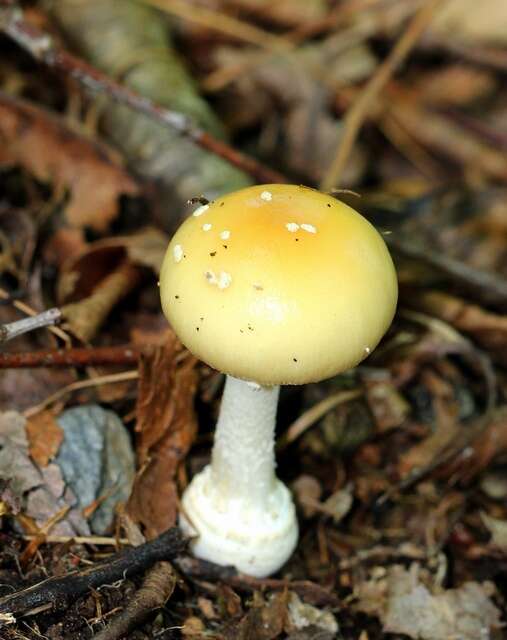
{"x":233,"y":532}
{"x":243,"y":515}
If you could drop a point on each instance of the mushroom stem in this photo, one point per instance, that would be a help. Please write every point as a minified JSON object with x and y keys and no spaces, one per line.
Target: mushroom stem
{"x":236,"y":509}
{"x":243,"y":457}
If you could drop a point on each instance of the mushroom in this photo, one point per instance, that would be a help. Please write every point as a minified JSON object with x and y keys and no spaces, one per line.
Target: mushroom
{"x":272,"y":285}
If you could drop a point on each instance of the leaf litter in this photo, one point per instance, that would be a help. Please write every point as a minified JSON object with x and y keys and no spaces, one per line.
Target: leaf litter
{"x":398,"y":471}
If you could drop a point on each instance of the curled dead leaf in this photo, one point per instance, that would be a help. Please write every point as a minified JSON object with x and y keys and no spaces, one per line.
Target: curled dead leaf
{"x":166,"y":427}
{"x":44,"y":437}
{"x":35,"y":139}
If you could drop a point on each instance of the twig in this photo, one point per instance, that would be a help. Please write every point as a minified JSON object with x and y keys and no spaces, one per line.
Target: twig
{"x":97,"y":541}
{"x":58,"y":591}
{"x":42,"y":48}
{"x":485,"y":56}
{"x":311,"y":592}
{"x":356,"y":114}
{"x":315,"y":413}
{"x":26,"y":309}
{"x":223,"y":23}
{"x":124,"y":376}
{"x":44,"y":319}
{"x":79,"y":357}
{"x":157,"y":588}
{"x":486,"y":287}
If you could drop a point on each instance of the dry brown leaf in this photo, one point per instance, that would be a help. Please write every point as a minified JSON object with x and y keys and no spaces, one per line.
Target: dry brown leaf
{"x":84,"y":318}
{"x":497,"y":529}
{"x":166,"y":427}
{"x":443,"y":136}
{"x":472,"y":22}
{"x":84,"y":270}
{"x":386,"y":403}
{"x":406,"y":605}
{"x":303,"y":615}
{"x":63,"y":246}
{"x":52,"y":152}
{"x":264,"y":621}
{"x":490,"y":443}
{"x":487,"y":328}
{"x":307,"y":491}
{"x":193,"y":627}
{"x":456,"y":85}
{"x":446,"y":427}
{"x":44,"y":437}
{"x":286,"y":12}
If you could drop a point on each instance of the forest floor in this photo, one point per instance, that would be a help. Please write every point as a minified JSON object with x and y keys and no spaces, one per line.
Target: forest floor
{"x":116,"y":120}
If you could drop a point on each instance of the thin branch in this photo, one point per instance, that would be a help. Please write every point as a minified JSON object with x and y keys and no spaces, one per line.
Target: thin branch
{"x":59,"y":591}
{"x":486,"y":287}
{"x":42,"y":48}
{"x":355,"y":116}
{"x":124,"y":376}
{"x":19,"y":327}
{"x":79,"y":357}
{"x":315,"y":413}
{"x":26,"y":309}
{"x":223,"y":23}
{"x":97,"y":541}
{"x":156,"y":589}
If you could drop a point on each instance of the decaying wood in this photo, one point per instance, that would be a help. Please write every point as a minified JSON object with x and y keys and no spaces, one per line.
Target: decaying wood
{"x":156,"y":589}
{"x":59,"y":591}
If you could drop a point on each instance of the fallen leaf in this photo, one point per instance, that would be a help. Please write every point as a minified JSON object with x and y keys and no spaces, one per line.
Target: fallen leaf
{"x":405,"y":605}
{"x":166,"y":427}
{"x":228,"y":601}
{"x":490,"y":443}
{"x":443,"y":136}
{"x":84,"y":318}
{"x":386,"y":403}
{"x":465,"y":613}
{"x":264,"y":621}
{"x":35,"y":139}
{"x":303,"y":615}
{"x":193,"y":627}
{"x":313,"y":632}
{"x":286,"y":12}
{"x":40,"y":493}
{"x":44,"y":437}
{"x":446,"y":427}
{"x":455,"y":84}
{"x":488,"y":329}
{"x":207,"y":608}
{"x":307,"y":491}
{"x":472,"y":22}
{"x":338,"y":504}
{"x":497,"y":529}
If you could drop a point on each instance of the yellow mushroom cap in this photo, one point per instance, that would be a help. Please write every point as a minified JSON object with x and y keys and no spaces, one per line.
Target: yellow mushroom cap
{"x":278,"y":284}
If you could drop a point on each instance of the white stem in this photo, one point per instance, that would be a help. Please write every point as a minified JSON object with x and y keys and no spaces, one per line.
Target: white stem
{"x":236,"y":509}
{"x":243,"y":457}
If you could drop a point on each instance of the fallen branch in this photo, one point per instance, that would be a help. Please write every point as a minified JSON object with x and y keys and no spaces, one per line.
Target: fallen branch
{"x":79,"y":357}
{"x":311,"y":592}
{"x":19,"y":327}
{"x":7,"y":298}
{"x":40,"y":45}
{"x":157,"y":588}
{"x":58,"y":592}
{"x":486,"y":287}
